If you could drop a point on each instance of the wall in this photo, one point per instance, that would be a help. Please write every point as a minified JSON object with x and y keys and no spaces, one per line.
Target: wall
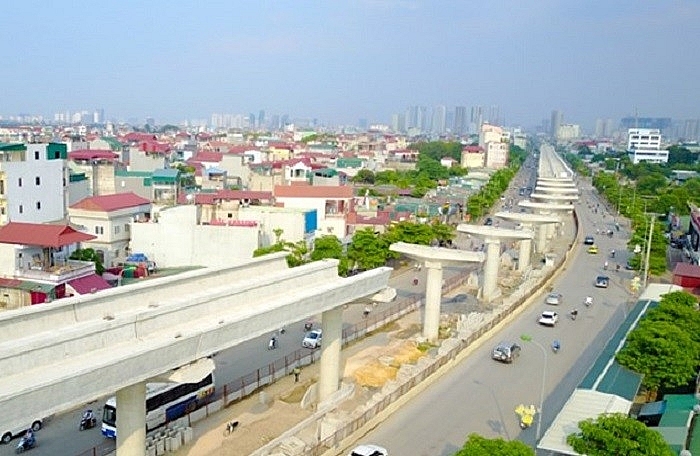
{"x":175,"y":240}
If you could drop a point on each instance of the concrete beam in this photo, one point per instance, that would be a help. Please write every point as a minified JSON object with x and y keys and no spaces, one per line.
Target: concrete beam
{"x":49,"y":372}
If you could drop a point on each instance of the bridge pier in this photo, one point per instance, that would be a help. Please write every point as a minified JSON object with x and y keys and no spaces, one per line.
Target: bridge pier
{"x":131,"y":420}
{"x":332,"y":326}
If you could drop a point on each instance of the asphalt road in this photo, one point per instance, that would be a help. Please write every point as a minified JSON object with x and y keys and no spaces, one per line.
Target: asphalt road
{"x":479,"y":395}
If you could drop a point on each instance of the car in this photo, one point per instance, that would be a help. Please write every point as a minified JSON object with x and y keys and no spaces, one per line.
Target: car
{"x":589,"y":240}
{"x":553,"y":299}
{"x":548,"y":318}
{"x":602,"y":281}
{"x":629,"y":266}
{"x":369,"y":450}
{"x":593,"y":249}
{"x":506,"y":351}
{"x":489,"y":221}
{"x":312,"y":339}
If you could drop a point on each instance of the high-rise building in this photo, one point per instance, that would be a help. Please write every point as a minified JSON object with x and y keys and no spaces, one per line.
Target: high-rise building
{"x":261,"y":119}
{"x":439,"y":119}
{"x":557,"y":120}
{"x":494,"y":115}
{"x":476,"y":118}
{"x":460,"y":123}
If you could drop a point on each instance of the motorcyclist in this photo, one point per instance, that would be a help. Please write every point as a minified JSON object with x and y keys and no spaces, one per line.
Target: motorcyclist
{"x":29,"y":439}
{"x":612,"y":253}
{"x":588,"y":301}
{"x":574,"y":314}
{"x":88,"y":415}
{"x":272,"y":344}
{"x":366,"y":312}
{"x":605,"y":265}
{"x":556,"y":345}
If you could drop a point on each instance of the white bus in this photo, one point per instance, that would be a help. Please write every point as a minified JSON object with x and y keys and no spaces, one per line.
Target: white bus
{"x":165,"y":402}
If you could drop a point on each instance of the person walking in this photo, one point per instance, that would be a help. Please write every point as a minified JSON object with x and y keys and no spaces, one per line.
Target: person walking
{"x":296,"y":371}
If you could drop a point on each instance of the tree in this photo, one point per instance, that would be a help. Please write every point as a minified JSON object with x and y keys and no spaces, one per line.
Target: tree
{"x":477,"y":445}
{"x":367,"y":250}
{"x":364,"y":176}
{"x":619,"y":435}
{"x":89,"y":255}
{"x":665,"y":354}
{"x":327,"y":247}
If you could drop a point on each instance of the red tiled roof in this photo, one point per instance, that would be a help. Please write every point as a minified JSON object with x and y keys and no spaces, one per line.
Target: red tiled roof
{"x":313,"y":191}
{"x":686,"y":270}
{"x":473,"y":149}
{"x":89,"y":284}
{"x":109,"y":203}
{"x":41,"y":234}
{"x":90,"y":154}
{"x":207,"y":156}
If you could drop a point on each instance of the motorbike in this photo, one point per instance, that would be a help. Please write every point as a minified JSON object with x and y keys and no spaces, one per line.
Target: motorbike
{"x":526,"y":414}
{"x":87,"y":421}
{"x":25,"y":443}
{"x":308,"y":325}
{"x":574,"y":314}
{"x":588,"y":301}
{"x":272,"y":344}
{"x":556,"y":346}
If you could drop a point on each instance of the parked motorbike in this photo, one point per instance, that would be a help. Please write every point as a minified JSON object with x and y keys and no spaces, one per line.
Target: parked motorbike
{"x":87,"y":421}
{"x":272,"y":344}
{"x":588,"y":301}
{"x":27,"y":442}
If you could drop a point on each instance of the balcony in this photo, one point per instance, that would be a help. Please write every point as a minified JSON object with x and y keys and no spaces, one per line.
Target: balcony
{"x":60,"y":273}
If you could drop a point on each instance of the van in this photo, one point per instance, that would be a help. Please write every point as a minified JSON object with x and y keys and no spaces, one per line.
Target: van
{"x":506,"y":351}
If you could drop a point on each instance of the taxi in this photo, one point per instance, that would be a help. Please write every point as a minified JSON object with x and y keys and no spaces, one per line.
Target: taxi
{"x":593,"y":249}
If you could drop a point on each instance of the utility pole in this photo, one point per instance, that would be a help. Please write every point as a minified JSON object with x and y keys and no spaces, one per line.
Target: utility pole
{"x":646,"y":259}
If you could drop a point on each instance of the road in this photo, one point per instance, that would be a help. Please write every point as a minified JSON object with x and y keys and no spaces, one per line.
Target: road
{"x":479,"y":395}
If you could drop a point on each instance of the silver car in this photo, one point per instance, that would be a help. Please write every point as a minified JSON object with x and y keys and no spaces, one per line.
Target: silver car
{"x":553,"y":299}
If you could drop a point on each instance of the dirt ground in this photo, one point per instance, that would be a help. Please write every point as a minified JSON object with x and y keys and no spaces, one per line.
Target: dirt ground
{"x":265,"y":416}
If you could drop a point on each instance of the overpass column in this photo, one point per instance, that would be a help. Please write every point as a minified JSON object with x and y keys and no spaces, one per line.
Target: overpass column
{"x":540,"y":245}
{"x":493,"y":251}
{"x":524,"y":254}
{"x":332,"y":325}
{"x":433,"y":296}
{"x":131,"y":420}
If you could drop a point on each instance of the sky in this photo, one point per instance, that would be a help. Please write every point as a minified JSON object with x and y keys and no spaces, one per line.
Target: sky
{"x":342,"y":60}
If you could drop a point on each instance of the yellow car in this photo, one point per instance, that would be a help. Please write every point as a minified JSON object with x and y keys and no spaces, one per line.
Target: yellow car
{"x":593,"y":249}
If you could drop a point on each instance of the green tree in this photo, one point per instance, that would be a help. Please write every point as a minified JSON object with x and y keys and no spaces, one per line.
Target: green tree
{"x":364,"y":176}
{"x":327,"y":247}
{"x":89,"y":255}
{"x":367,"y":250}
{"x":662,"y":352}
{"x":616,"y":434}
{"x":477,"y":445}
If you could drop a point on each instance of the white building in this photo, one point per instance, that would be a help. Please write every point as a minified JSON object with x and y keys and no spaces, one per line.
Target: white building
{"x":644,"y":144}
{"x":495,"y":141}
{"x":33,"y":183}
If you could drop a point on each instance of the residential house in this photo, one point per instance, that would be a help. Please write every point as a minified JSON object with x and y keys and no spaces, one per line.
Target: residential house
{"x":109,"y":218}
{"x":33,"y":182}
{"x":332,"y":204}
{"x":473,"y":157}
{"x":495,"y":141}
{"x":35,"y":267}
{"x":98,"y":167}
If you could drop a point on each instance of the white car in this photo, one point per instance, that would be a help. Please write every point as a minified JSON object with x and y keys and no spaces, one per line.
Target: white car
{"x":312,"y":339}
{"x":369,"y":450}
{"x":553,"y":299}
{"x":548,"y":318}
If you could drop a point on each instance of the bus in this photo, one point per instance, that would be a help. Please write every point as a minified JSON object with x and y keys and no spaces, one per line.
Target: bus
{"x":165,"y":402}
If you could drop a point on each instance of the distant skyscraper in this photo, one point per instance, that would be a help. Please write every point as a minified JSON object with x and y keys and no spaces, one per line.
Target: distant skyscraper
{"x":494,"y":115}
{"x":362,"y":124}
{"x":476,"y":118}
{"x":261,"y":119}
{"x":98,"y":117}
{"x":460,"y":123}
{"x":557,"y":120}
{"x":439,"y":119}
{"x":398,"y":123}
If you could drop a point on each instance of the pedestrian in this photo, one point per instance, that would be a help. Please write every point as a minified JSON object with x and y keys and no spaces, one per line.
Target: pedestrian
{"x":296,"y":371}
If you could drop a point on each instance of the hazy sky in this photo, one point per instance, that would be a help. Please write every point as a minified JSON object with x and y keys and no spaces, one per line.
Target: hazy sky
{"x":340,"y":60}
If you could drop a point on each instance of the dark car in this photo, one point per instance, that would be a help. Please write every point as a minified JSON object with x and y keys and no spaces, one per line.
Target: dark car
{"x":488,"y":222}
{"x":589,"y":240}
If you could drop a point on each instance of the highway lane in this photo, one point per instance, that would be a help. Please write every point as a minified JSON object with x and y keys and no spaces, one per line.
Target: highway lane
{"x":479,"y":395}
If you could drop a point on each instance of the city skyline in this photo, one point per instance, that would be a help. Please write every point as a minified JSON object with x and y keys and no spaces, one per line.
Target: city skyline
{"x":343,"y":61}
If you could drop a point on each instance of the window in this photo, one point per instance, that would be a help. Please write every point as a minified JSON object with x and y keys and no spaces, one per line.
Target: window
{"x":36,"y":155}
{"x":117,"y":229}
{"x":37,"y":180}
{"x":21,"y":209}
{"x":127,"y":227}
{"x":19,"y":182}
{"x":38,"y":205}
{"x":99,"y":230}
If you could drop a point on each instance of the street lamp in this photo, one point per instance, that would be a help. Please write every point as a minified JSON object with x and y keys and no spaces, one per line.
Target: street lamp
{"x":528,"y":338}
